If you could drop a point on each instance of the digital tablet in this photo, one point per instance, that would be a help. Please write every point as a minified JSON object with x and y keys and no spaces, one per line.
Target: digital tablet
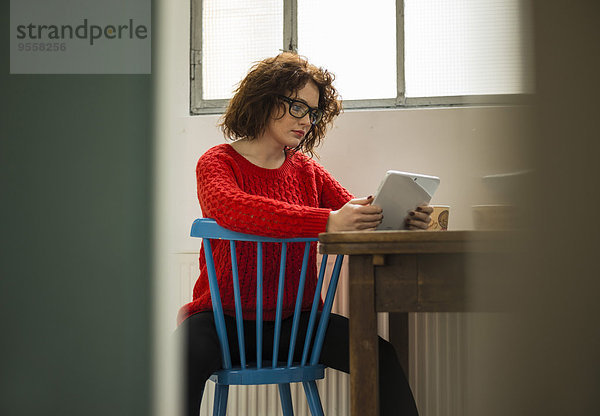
{"x":401,"y":192}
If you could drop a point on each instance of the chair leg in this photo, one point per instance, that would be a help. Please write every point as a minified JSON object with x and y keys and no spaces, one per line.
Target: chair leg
{"x":312,"y":396}
{"x":286,"y":399}
{"x":220,"y":405}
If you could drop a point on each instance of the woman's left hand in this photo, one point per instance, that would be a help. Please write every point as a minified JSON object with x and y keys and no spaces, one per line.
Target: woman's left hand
{"x":419,"y":218}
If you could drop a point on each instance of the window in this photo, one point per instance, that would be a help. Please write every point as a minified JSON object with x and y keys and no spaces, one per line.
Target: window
{"x":385,"y":53}
{"x":352,"y":38}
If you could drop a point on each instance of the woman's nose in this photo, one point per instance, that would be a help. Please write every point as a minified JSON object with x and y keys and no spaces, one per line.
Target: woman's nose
{"x":306,"y":119}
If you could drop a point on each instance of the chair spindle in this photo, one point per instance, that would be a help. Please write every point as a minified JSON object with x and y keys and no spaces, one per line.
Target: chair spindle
{"x":217,"y":306}
{"x":239,"y":318}
{"x":278,"y":312}
{"x":313,"y":310}
{"x":298,"y":308}
{"x":320,"y":336}
{"x":259,"y":304}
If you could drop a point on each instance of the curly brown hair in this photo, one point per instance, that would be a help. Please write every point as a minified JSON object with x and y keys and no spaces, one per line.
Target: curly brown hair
{"x":255,"y":99}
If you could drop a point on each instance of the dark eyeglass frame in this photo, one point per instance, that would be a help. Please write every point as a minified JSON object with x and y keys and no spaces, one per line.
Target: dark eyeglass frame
{"x":314,"y":114}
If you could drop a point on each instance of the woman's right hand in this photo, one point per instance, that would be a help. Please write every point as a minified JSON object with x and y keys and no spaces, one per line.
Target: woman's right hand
{"x":357,"y":214}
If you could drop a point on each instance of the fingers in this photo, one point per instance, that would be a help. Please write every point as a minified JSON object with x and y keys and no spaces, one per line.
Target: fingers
{"x":360,"y":214}
{"x":367,"y":209}
{"x":427,"y":209}
{"x":362,"y":201}
{"x":419,"y":218}
{"x":370,"y":218}
{"x":416,"y":225}
{"x":367,"y":225}
{"x":365,"y":216}
{"x":363,"y":209}
{"x":357,"y":214}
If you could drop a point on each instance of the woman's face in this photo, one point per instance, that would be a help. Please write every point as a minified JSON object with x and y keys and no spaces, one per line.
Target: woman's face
{"x":286,"y":130}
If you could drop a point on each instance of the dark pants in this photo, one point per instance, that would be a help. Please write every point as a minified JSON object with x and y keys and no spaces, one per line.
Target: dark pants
{"x":203,"y":357}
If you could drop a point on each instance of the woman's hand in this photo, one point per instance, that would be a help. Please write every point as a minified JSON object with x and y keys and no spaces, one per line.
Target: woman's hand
{"x":419,"y":218}
{"x":357,"y":214}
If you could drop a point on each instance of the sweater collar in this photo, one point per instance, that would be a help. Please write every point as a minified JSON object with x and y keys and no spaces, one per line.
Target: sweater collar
{"x":253,"y":169}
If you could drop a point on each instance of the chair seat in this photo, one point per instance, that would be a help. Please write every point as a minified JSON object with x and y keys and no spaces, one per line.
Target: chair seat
{"x":269,"y":375}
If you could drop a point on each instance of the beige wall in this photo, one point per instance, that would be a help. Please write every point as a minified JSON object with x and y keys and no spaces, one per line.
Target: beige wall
{"x":459,"y":145}
{"x":550,"y":350}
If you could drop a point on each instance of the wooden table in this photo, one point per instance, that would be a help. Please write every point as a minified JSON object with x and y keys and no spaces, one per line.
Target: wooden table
{"x":402,"y":272}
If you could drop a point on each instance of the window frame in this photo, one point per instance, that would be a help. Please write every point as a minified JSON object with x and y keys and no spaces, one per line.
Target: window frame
{"x":290,"y":42}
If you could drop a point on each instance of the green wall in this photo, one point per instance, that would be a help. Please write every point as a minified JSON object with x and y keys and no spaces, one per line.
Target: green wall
{"x":75,"y":276}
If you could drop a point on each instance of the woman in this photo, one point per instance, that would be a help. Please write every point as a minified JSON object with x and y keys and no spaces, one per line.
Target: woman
{"x":263,"y":183}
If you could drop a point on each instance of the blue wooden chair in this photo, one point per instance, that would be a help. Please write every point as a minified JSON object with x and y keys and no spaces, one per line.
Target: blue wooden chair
{"x":272,"y":371}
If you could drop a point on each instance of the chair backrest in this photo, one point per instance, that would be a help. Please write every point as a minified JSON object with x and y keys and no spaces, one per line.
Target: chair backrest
{"x":208,"y":230}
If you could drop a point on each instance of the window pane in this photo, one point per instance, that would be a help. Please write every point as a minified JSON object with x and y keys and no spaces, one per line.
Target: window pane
{"x":466,"y":47}
{"x":354,"y":39}
{"x":237,"y":33}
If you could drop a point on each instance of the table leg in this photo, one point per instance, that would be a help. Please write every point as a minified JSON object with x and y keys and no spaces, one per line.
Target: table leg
{"x":364,"y":347}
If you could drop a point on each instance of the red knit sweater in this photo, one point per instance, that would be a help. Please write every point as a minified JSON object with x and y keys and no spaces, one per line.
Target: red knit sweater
{"x":292,"y":201}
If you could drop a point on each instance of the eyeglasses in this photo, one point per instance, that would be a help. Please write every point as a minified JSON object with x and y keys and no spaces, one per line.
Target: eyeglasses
{"x":299,"y":109}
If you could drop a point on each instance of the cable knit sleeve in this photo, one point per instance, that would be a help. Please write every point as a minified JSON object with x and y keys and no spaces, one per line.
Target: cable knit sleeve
{"x":222,"y":198}
{"x":332,"y":195}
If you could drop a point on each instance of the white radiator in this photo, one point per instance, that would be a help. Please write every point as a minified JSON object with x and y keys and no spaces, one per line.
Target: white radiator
{"x":437,"y":358}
